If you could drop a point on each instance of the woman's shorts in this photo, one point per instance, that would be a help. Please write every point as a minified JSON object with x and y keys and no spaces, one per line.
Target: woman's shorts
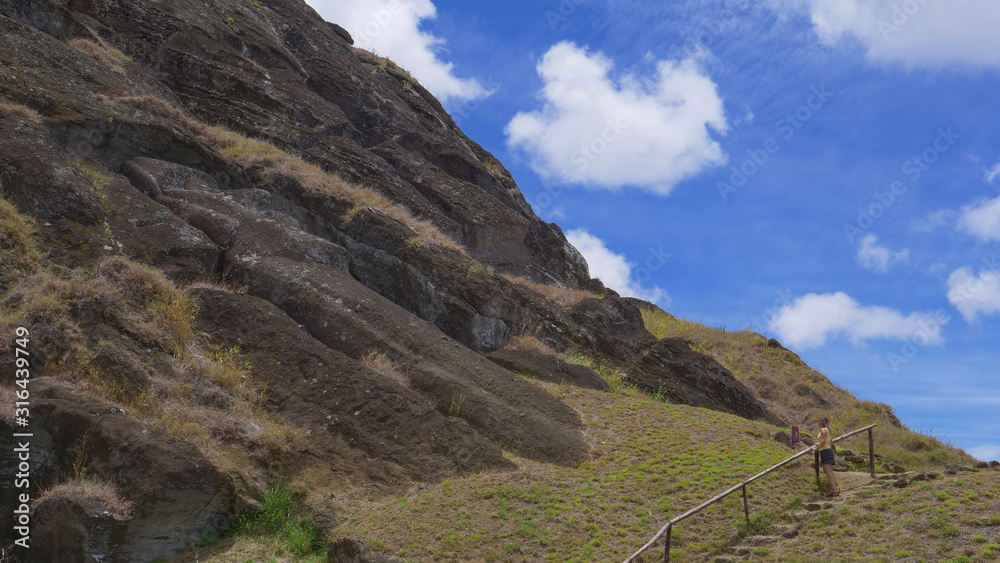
{"x":826,"y":457}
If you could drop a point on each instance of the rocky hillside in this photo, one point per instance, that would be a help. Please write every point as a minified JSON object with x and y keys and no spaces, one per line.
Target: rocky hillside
{"x":247,"y":254}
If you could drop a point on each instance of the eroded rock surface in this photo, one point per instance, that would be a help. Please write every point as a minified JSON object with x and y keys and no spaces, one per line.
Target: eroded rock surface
{"x":109,"y":154}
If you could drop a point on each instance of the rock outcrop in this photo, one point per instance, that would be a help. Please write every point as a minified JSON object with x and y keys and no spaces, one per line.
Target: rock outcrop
{"x":331,"y":210}
{"x":175,"y":493}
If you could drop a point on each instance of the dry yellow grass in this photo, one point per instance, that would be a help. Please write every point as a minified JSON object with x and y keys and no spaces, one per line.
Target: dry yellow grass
{"x":383,"y":62}
{"x":249,"y":152}
{"x":7,"y":398}
{"x":532,"y":343}
{"x":561,"y":296}
{"x":90,"y":489}
{"x":379,"y":362}
{"x":18,"y":253}
{"x":10,"y":108}
{"x":102,"y":52}
{"x":227,"y":286}
{"x":210,"y":397}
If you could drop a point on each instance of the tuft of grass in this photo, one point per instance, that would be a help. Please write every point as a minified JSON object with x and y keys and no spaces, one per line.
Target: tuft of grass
{"x":248,"y":152}
{"x":384,"y":63}
{"x":101,"y":51}
{"x":283,"y":520}
{"x":98,"y":176}
{"x":227,"y":286}
{"x":564,"y":297}
{"x":457,"y":400}
{"x":495,"y":169}
{"x":615,"y":377}
{"x":532,"y":343}
{"x":88,"y":490}
{"x":8,"y":396}
{"x":18,"y":254}
{"x":759,"y":524}
{"x":479,"y":269}
{"x":380,"y":363}
{"x":8,"y":108}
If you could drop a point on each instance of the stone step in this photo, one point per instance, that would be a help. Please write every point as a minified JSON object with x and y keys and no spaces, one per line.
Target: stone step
{"x":756,"y":541}
{"x":787,"y":532}
{"x":799,"y":516}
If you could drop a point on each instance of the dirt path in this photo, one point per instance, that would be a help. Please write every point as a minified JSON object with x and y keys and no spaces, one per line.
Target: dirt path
{"x":850,"y":482}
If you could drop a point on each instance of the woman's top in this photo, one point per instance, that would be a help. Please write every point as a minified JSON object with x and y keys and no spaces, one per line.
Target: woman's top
{"x":827,"y":442}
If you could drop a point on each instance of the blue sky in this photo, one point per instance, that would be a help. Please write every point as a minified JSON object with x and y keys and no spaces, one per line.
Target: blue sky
{"x":826,"y":173}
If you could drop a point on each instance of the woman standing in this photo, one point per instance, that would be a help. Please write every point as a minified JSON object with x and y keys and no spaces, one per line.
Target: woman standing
{"x":825,"y":447}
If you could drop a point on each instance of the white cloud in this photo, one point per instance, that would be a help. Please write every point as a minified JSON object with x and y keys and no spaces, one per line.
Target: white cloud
{"x":648,"y":132}
{"x":392,"y":28}
{"x":987,"y":452}
{"x":981,"y":219}
{"x":927,"y":33}
{"x":975,"y":295}
{"x":935,"y":220}
{"x":809,"y":321}
{"x":993,"y":173}
{"x":879,"y":258}
{"x":613,"y":269}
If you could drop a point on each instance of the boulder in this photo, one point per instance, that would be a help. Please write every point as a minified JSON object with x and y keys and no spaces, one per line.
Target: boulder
{"x":178,"y":497}
{"x":548,"y":368}
{"x":616,"y":324}
{"x":670,"y":366}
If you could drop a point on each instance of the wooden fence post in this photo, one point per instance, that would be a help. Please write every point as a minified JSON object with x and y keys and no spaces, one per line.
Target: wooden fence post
{"x":746,"y":507}
{"x":666,"y":548}
{"x":816,"y":464}
{"x":871,"y":452}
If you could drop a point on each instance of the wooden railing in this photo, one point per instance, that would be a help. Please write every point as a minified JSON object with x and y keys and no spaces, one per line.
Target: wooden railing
{"x":666,"y":529}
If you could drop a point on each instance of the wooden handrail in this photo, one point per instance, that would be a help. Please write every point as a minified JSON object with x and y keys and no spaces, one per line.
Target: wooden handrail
{"x":665,"y":530}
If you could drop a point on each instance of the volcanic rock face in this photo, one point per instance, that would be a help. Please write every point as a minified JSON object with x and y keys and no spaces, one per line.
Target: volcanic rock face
{"x":685,"y":376}
{"x":175,"y":490}
{"x":352,"y":217}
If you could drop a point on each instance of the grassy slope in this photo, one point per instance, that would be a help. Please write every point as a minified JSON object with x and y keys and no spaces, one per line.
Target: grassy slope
{"x":953,"y":519}
{"x":650,"y":461}
{"x":800,"y":395}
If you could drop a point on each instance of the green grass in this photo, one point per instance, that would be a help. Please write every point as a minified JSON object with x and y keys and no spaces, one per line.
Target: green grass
{"x":910,"y":524}
{"x":283,"y":520}
{"x":649,"y":461}
{"x":614,"y":377}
